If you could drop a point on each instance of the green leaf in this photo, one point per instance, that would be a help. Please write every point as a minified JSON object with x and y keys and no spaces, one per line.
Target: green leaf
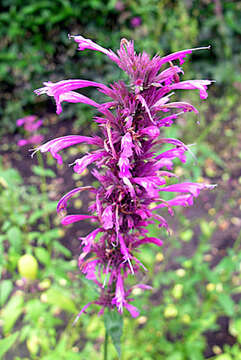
{"x":11,"y":312}
{"x":57,"y":297}
{"x":14,"y":236}
{"x":5,"y":289}
{"x":42,"y":255}
{"x":62,"y":249}
{"x":227,"y":303}
{"x":7,"y":343}
{"x":35,"y":216}
{"x":114,"y":326}
{"x":186,"y":235}
{"x":40,"y":171}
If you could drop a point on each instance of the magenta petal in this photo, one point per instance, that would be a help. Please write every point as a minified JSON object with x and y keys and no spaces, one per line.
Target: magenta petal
{"x":201,"y":85}
{"x":119,"y":293}
{"x":126,"y":146}
{"x":88,"y":241}
{"x":132,"y":310}
{"x":58,"y":144}
{"x":179,"y":55}
{"x":151,"y":131}
{"x":69,"y":219}
{"x":124,"y":165}
{"x":172,"y":154}
{"x":177,"y":105}
{"x":146,"y":240}
{"x":182,"y":200}
{"x":74,"y":97}
{"x":107,"y":218}
{"x":193,"y":188}
{"x":81,"y":164}
{"x":84,"y":43}
{"x":22,"y":142}
{"x":123,"y":247}
{"x":82,"y":311}
{"x":144,"y":104}
{"x":62,"y":204}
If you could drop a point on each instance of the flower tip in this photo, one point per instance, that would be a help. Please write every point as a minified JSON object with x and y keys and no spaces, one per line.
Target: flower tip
{"x":212,"y":186}
{"x":34,"y":151}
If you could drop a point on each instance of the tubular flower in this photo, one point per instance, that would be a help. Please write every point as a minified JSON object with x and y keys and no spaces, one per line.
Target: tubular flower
{"x":130,"y":165}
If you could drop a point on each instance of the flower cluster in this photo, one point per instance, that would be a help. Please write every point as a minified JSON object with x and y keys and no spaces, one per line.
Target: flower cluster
{"x":31,"y":125}
{"x":130,"y":173}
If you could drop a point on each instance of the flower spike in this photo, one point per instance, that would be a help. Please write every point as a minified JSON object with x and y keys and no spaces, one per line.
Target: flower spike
{"x":132,"y":163}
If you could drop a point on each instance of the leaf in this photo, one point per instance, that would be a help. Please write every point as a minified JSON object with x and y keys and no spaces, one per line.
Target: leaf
{"x":5,"y":289}
{"x":114,"y":326}
{"x":42,"y":255}
{"x":11,"y":177}
{"x":7,"y":343}
{"x":57,"y":297}
{"x":62,"y":249}
{"x":227,"y":304}
{"x":14,"y":236}
{"x":35,"y":216}
{"x":39,"y":171}
{"x":186,"y":235}
{"x":11,"y":312}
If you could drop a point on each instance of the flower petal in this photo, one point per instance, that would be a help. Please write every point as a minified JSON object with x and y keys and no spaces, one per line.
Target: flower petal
{"x":62,"y":204}
{"x":69,"y":219}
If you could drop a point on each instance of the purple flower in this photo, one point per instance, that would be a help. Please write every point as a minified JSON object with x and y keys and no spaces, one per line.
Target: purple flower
{"x":58,"y":144}
{"x":130,"y":164}
{"x":31,"y":126}
{"x":62,"y":91}
{"x":135,"y":21}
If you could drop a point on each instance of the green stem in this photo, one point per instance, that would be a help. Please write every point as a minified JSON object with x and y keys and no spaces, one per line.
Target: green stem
{"x":106,"y":346}
{"x":43,"y":188}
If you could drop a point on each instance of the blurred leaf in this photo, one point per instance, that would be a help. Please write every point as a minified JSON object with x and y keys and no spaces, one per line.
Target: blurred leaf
{"x":6,"y":287}
{"x":37,"y":214}
{"x":7,"y":343}
{"x":114,"y":326}
{"x":58,"y":298}
{"x":42,"y":255}
{"x":62,"y":249}
{"x":186,"y":235}
{"x":40,"y":171}
{"x":11,"y":312}
{"x":227,"y":303}
{"x":14,"y":236}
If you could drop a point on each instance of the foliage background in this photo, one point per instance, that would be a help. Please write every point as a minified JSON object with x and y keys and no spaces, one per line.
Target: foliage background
{"x":194,"y":310}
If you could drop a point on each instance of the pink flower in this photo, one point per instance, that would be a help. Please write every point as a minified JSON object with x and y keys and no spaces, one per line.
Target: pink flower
{"x":135,"y":21}
{"x":131,"y":164}
{"x":30,"y":126}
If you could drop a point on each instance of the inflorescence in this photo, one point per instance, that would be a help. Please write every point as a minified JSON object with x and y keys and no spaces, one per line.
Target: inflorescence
{"x":130,"y":173}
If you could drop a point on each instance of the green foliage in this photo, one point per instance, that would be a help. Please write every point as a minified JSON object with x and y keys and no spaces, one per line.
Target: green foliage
{"x":35,"y":44}
{"x":7,"y":343}
{"x":114,"y":327}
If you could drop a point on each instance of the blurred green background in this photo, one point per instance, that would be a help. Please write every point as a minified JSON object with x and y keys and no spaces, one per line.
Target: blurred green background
{"x":194,"y":310}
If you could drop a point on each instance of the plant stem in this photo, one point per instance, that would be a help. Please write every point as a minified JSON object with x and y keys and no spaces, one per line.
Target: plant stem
{"x":43,"y":188}
{"x":106,"y":346}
